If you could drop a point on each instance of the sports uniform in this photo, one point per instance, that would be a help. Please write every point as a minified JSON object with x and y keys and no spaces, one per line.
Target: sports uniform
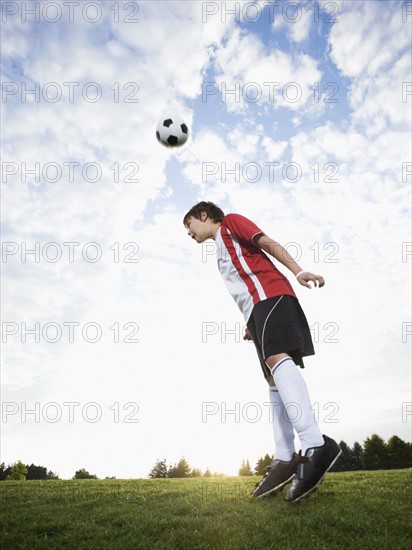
{"x":264,"y":295}
{"x":277,"y":325}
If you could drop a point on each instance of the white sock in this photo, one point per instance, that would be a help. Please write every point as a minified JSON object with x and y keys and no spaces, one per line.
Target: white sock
{"x":282,"y":427}
{"x":295,"y":396}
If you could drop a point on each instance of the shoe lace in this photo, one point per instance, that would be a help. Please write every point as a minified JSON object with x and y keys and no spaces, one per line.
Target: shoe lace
{"x":299,"y":459}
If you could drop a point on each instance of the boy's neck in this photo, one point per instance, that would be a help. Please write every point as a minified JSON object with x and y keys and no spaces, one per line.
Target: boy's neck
{"x":215,"y":227}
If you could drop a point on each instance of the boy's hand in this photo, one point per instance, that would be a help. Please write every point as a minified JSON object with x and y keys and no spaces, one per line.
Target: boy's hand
{"x":247,"y":335}
{"x":306,"y":277}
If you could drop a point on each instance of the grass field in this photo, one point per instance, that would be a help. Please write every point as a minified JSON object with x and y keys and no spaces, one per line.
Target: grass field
{"x":361,"y":510}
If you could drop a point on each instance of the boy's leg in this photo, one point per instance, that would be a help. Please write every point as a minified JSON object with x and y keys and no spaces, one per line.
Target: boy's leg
{"x":295,"y":397}
{"x":283,"y":432}
{"x":282,"y":428}
{"x":282,"y":468}
{"x":320,"y":452}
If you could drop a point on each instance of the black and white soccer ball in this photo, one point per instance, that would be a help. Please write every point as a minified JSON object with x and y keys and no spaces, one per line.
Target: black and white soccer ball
{"x":172,"y":131}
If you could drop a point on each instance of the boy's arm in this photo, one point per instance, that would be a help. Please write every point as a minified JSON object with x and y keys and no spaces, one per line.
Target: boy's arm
{"x":282,"y":255}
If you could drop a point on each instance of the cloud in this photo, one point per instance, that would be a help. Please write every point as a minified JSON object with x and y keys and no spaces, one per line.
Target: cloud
{"x":169,"y":36}
{"x":250,"y":73}
{"x":380,"y":37}
{"x":296,"y":20}
{"x":78,"y":138}
{"x":377,"y":59}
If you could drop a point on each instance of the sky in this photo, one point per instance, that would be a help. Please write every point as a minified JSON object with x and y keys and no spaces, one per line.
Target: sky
{"x":120,"y":342}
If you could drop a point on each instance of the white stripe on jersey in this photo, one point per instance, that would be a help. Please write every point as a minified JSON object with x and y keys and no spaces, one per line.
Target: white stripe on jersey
{"x":233,"y":281}
{"x":247,"y":269}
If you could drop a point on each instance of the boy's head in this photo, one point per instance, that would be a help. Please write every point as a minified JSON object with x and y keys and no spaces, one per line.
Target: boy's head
{"x":202,"y":220}
{"x":209,"y":208}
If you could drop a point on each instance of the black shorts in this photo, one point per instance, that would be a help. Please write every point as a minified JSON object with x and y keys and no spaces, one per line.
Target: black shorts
{"x":278,"y":325}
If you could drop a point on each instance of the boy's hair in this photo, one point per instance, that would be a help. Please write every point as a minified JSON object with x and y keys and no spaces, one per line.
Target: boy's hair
{"x":212,"y":211}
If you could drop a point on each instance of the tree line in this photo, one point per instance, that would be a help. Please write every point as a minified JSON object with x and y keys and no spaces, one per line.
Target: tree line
{"x":18,"y":471}
{"x":375,"y":454}
{"x":181,"y":469}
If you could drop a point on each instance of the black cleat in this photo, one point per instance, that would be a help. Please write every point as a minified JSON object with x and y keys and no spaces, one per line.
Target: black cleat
{"x":277,"y":475}
{"x":310,"y":473}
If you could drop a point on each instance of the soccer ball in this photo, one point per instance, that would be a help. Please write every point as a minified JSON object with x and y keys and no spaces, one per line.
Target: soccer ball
{"x":172,"y":131}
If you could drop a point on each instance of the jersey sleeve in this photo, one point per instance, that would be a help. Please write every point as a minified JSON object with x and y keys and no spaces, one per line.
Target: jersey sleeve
{"x":242,"y":228}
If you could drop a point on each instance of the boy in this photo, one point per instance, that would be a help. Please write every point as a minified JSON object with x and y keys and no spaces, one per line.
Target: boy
{"x":278,"y":327}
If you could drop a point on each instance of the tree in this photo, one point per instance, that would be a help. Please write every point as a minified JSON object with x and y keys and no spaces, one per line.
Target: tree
{"x":375,"y":453}
{"x":18,"y":471}
{"x":52,"y":475}
{"x":345,"y":462}
{"x":207,"y":473}
{"x":181,"y":469}
{"x":357,"y":453}
{"x":195,"y":472}
{"x":262,"y":464}
{"x":83,"y":474}
{"x":159,"y":470}
{"x":399,"y":453}
{"x":36,"y":472}
{"x":4,"y":472}
{"x":245,"y":469}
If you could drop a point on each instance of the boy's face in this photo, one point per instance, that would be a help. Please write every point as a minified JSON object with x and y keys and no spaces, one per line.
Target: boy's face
{"x":199,"y":230}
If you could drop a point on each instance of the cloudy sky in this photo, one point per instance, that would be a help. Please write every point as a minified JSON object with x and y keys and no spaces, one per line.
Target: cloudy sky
{"x":120,"y":343}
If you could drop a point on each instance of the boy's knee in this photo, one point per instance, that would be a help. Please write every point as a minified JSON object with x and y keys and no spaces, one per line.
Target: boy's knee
{"x":273,"y":359}
{"x":270,"y":380}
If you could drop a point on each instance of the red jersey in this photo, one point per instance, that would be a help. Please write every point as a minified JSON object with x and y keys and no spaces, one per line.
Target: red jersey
{"x":247,"y":271}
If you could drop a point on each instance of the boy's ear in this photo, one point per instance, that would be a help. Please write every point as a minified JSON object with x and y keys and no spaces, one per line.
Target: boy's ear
{"x":203,"y":216}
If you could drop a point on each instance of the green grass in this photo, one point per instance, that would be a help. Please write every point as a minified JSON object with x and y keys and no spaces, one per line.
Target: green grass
{"x":365,"y":510}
